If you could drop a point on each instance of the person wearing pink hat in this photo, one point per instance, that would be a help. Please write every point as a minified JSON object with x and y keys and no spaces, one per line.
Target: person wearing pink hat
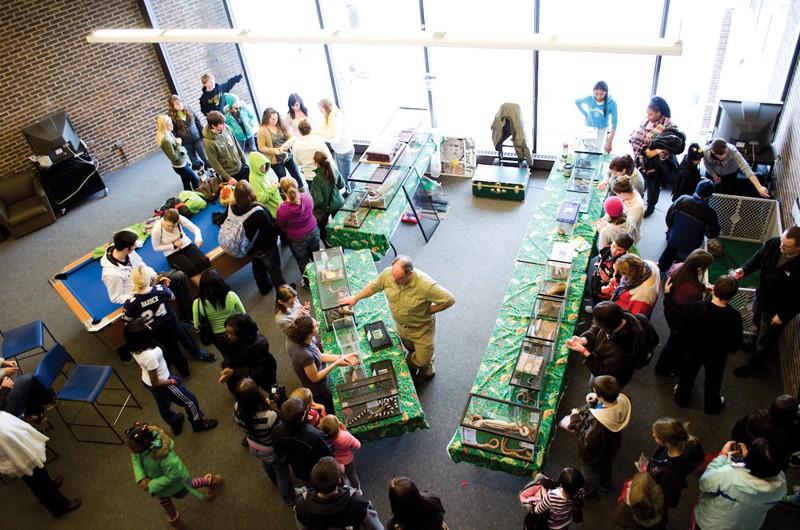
{"x":614,"y":223}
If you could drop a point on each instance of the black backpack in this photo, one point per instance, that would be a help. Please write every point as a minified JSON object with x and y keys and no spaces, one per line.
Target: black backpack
{"x":646,"y":339}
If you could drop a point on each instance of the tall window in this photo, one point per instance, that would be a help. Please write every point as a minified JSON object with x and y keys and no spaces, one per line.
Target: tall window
{"x":565,"y":77}
{"x":469,"y":85}
{"x":730,"y":51}
{"x":277,"y":70}
{"x":374,"y":80}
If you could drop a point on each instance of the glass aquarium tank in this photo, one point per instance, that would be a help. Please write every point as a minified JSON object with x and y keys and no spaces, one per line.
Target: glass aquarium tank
{"x":545,"y":318}
{"x":502,"y":427}
{"x":556,"y":279}
{"x":347,"y":339}
{"x":531,"y":366}
{"x":371,"y":398}
{"x":567,"y":217}
{"x":332,"y":284}
{"x":587,"y":165}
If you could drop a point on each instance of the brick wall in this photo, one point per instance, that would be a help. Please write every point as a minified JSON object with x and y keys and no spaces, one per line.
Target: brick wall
{"x":787,"y":172}
{"x":191,"y":61}
{"x":111,"y":91}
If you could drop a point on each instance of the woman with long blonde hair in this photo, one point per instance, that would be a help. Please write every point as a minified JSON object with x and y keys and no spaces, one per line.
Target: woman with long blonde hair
{"x":334,"y":130}
{"x":295,"y":217}
{"x":176,"y":152}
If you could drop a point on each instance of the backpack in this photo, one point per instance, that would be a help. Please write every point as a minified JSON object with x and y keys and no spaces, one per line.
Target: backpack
{"x":232,"y":237}
{"x":646,"y":340}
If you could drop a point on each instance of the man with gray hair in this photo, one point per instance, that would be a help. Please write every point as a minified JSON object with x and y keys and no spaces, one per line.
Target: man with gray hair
{"x":414,"y":298}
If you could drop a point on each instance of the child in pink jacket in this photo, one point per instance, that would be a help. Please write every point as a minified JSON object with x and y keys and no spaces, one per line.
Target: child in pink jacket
{"x":343,"y":444}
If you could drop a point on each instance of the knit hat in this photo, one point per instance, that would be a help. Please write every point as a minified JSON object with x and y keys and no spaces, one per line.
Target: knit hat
{"x":704,"y":189}
{"x":613,"y":206}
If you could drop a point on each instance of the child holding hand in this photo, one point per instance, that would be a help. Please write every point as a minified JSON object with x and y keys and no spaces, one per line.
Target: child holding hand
{"x":343,"y":444}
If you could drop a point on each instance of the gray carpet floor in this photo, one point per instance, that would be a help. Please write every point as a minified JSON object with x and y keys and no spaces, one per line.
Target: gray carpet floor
{"x":472,"y":254}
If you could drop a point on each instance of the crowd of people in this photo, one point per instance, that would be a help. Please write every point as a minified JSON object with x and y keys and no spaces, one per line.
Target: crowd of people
{"x":287,"y":188}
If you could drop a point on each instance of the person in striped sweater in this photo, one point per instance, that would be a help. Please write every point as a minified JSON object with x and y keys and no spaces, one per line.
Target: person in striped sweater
{"x":563,"y":503}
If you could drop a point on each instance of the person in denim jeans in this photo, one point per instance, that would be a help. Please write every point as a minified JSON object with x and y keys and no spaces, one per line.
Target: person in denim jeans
{"x":295,"y":216}
{"x":254,"y":414}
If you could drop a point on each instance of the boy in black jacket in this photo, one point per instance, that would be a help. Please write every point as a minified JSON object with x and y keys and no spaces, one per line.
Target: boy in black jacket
{"x":211,"y":97}
{"x":301,"y":444}
{"x":598,"y":427}
{"x":716,"y":329}
{"x":330,"y":504}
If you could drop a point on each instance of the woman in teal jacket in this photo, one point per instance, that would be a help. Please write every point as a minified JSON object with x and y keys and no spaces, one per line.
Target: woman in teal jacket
{"x":161,"y":473}
{"x":325,"y":192}
{"x":738,"y":488}
{"x":242,"y":121}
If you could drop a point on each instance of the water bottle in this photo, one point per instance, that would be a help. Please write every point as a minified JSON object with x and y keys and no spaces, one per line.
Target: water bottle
{"x":564,"y":152}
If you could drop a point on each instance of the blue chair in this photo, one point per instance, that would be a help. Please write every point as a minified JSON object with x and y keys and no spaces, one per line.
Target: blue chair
{"x":84,"y":385}
{"x":23,"y":339}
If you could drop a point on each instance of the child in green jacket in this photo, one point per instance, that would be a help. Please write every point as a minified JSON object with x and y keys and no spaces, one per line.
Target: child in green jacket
{"x":160,"y":472}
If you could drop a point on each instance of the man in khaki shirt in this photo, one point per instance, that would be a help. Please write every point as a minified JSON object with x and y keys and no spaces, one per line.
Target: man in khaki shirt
{"x":414,"y":298}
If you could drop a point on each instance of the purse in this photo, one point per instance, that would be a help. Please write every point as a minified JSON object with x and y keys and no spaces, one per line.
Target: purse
{"x":206,"y":333}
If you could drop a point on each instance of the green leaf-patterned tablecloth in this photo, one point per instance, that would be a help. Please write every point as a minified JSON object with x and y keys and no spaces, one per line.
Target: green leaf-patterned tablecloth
{"x":380,"y":225}
{"x":512,"y":324}
{"x":360,"y":271}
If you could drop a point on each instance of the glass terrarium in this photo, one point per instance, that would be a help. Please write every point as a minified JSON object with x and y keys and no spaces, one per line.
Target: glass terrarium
{"x":332,"y":283}
{"x":545,"y":318}
{"x":502,"y":427}
{"x":579,"y":190}
{"x":556,"y":279}
{"x":532,"y":360}
{"x":567,"y":217}
{"x":346,"y":333}
{"x":371,"y":398}
{"x":355,"y":200}
{"x":587,"y":164}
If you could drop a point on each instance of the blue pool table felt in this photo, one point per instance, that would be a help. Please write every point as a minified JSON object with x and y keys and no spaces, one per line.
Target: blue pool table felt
{"x":84,"y":279}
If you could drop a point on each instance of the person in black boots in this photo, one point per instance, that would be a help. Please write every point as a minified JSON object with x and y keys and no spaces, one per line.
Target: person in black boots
{"x":22,"y":454}
{"x":777,"y":294}
{"x":331,"y":504}
{"x":259,"y":227}
{"x":248,"y":354}
{"x":716,"y":331}
{"x":689,"y":220}
{"x":297,"y":441}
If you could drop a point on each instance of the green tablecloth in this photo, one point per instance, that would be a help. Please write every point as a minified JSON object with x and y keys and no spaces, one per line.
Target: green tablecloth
{"x":512,"y":324}
{"x":380,"y":225}
{"x":360,"y":271}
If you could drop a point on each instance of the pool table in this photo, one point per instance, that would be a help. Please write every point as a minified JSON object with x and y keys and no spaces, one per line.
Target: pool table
{"x":80,"y":285}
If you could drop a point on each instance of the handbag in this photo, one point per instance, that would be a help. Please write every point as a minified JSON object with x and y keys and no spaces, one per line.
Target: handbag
{"x":206,"y":333}
{"x":530,"y":496}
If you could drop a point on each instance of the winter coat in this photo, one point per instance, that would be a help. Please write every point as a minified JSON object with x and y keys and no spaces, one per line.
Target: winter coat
{"x":612,"y":353}
{"x":253,"y":360}
{"x":345,"y":509}
{"x":162,"y":467}
{"x":733,"y":499}
{"x":689,"y":220}
{"x":641,"y":297}
{"x":223,"y":151}
{"x":783,"y":440}
{"x":212,"y":99}
{"x":687,"y":179}
{"x":249,"y":124}
{"x":327,"y":199}
{"x":302,"y":446}
{"x":599,"y":430}
{"x":264,"y":183}
{"x":778,"y":290}
{"x":670,"y":472}
{"x":508,"y":122}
